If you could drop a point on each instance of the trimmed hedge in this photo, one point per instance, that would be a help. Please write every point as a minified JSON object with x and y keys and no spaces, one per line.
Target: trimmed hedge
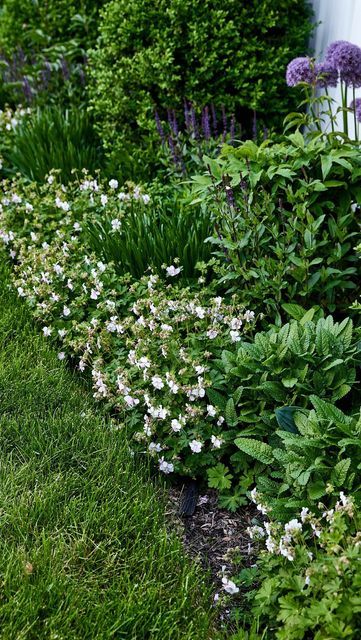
{"x":158,"y":52}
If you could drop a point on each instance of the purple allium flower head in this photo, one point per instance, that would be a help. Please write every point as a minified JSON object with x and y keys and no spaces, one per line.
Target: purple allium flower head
{"x":346,"y":58}
{"x":356,"y":106}
{"x":300,"y":70}
{"x":326,"y":75}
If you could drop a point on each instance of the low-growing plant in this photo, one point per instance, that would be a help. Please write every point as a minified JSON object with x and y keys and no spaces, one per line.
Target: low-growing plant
{"x":308,"y":576}
{"x":155,"y":230}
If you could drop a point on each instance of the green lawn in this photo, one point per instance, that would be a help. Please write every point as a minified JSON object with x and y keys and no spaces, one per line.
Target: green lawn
{"x":83,"y":548}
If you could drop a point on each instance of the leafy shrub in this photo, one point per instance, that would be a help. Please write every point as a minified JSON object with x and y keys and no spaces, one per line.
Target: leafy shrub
{"x":43,"y":47}
{"x":286,"y":366}
{"x":287,"y":220}
{"x":53,"y":139}
{"x":307,"y":581}
{"x":155,"y":53}
{"x":152,"y":234}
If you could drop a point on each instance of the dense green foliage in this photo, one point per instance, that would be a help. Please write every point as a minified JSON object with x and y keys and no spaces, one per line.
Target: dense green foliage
{"x":153,"y":234}
{"x":84,"y":549}
{"x":307,"y":582}
{"x":53,"y":138}
{"x":156,"y":53}
{"x":287,"y":219}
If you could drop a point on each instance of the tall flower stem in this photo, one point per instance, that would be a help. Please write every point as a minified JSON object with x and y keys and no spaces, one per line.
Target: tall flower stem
{"x":354,"y":112}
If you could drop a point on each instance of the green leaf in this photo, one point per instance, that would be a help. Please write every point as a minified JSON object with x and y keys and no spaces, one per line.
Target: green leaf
{"x":219,"y":477}
{"x":256,"y":449}
{"x":231,"y":414}
{"x":339,"y":473}
{"x":294,"y":310}
{"x":289,"y":382}
{"x":285,"y":418}
{"x":326,"y":164}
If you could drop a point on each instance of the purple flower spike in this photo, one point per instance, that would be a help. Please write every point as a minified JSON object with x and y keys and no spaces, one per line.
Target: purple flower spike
{"x":214,"y":120}
{"x":346,"y":58}
{"x":159,"y":126}
{"x":300,"y":70}
{"x":205,"y":124}
{"x":326,"y":74}
{"x":356,"y":106}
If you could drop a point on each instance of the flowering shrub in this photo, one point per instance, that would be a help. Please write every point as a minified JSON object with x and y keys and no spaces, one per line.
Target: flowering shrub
{"x":150,"y":345}
{"x":309,"y":574}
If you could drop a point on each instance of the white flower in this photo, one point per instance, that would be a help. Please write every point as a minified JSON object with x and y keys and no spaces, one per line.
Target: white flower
{"x":33,"y":236}
{"x":103,"y":199}
{"x":47,"y":331}
{"x":293,"y":526}
{"x":155,"y":447}
{"x":113,"y":184}
{"x":235,"y":337}
{"x":50,"y":179}
{"x":173,"y":271}
{"x":146,"y":198}
{"x":94,"y":294}
{"x":166,"y":327}
{"x":196,"y":446}
{"x":76,"y":226}
{"x":58,"y":269}
{"x":211,"y":411}
{"x":172,"y":386}
{"x":304,"y":514}
{"x":216,"y":442}
{"x":81,"y":365}
{"x":28,"y":206}
{"x":235,"y":324}
{"x":229,"y":586}
{"x":116,"y":224}
{"x":62,"y":333}
{"x":66,"y":311}
{"x":212,"y":334}
{"x":157,"y":382}
{"x":130,"y":401}
{"x":21,"y":292}
{"x":200,"y":312}
{"x":15,"y":198}
{"x":176,"y":425}
{"x":307,"y":580}
{"x":166,"y":467}
{"x":249,"y":316}
{"x":256,"y":532}
{"x":61,"y":355}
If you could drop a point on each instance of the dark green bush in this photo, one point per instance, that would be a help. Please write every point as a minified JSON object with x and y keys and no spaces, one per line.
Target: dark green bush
{"x":158,"y":52}
{"x":31,"y":25}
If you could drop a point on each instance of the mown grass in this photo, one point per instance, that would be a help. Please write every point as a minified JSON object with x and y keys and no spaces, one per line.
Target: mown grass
{"x":84,"y":552}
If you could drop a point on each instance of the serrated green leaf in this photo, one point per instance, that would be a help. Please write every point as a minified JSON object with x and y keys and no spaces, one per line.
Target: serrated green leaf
{"x":339,"y":472}
{"x":256,"y":449}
